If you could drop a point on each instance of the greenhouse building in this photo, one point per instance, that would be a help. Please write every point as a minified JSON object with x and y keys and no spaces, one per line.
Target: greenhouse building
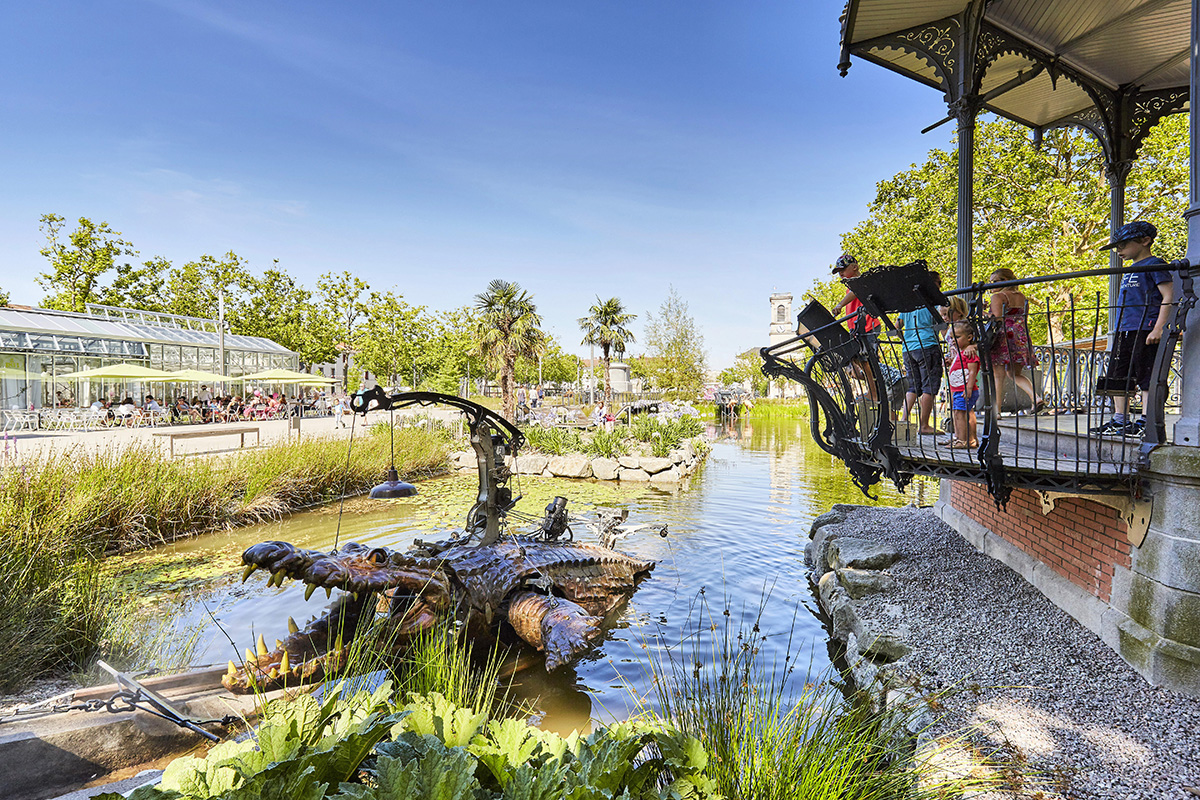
{"x":39,"y":346}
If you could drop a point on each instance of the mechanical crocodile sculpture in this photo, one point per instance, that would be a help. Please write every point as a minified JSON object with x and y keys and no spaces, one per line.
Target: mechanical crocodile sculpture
{"x":542,"y":589}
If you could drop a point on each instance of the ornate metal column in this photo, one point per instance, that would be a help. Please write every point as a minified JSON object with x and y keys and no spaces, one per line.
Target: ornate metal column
{"x":1117,"y":173}
{"x":965,"y":110}
{"x":1187,"y":429}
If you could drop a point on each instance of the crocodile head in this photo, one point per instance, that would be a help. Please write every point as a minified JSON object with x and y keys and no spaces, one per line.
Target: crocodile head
{"x":411,"y":591}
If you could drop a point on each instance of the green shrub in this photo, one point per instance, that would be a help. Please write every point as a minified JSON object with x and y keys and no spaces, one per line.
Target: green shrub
{"x":366,"y":747}
{"x":609,"y":444}
{"x":553,"y":441}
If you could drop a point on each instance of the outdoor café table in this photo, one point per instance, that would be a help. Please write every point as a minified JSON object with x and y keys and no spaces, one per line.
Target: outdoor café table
{"x":199,"y":432}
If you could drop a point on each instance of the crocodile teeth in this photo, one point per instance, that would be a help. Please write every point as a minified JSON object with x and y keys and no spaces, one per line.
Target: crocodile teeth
{"x":248,"y":571}
{"x":232,"y":668}
{"x":277,"y":578}
{"x":250,"y":658}
{"x":284,"y":664}
{"x":292,"y":626}
{"x":328,"y":592}
{"x":308,"y":592}
{"x":278,"y":645}
{"x":262,"y":645}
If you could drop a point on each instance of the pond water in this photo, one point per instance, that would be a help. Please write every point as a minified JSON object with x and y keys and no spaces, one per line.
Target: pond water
{"x":736,"y":541}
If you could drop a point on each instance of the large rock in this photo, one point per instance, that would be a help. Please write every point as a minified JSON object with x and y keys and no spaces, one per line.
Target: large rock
{"x":653,"y":464}
{"x":882,"y":647}
{"x":630,"y":462}
{"x":672,"y":475}
{"x":575,"y":465}
{"x":816,"y":552}
{"x":860,"y":582}
{"x":834,"y":516}
{"x":605,"y":468}
{"x":855,"y":553}
{"x":633,"y":475}
{"x":463,"y":460}
{"x":532,"y":464}
{"x":843,"y":619}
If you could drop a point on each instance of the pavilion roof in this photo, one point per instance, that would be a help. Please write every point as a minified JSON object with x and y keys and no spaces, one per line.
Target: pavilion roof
{"x":1044,"y":64}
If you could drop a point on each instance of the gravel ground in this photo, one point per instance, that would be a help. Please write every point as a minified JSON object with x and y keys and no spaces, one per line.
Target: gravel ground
{"x":1030,"y":681}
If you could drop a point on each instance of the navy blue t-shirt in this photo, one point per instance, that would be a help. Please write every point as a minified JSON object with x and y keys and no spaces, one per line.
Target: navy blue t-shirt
{"x":1140,"y":299}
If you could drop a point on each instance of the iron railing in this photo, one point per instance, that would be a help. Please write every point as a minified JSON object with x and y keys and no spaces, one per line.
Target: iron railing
{"x":856,"y":384}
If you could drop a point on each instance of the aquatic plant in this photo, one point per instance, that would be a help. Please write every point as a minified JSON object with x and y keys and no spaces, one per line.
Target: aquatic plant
{"x":774,"y":735}
{"x":61,"y":512}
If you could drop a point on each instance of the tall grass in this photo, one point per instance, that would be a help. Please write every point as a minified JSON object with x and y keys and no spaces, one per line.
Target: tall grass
{"x":769,"y":739}
{"x":62,"y":512}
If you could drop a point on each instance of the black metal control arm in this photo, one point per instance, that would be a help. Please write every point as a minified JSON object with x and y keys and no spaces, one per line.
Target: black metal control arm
{"x":492,"y":437}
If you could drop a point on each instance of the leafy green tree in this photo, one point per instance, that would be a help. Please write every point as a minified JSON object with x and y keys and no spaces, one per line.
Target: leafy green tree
{"x":137,"y":286}
{"x":676,"y":347}
{"x":555,"y":366}
{"x":605,"y":327}
{"x":746,"y":367}
{"x":509,"y":327}
{"x":1039,"y":210}
{"x":277,"y":307}
{"x":448,"y":355}
{"x":194,"y":289}
{"x":3,"y":298}
{"x":392,"y":338}
{"x":342,"y":297}
{"x":78,"y":264}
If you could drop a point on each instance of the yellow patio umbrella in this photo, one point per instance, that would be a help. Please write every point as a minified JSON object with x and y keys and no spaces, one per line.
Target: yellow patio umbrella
{"x":12,"y":373}
{"x":285,"y":376}
{"x":197,"y":376}
{"x":121,"y":372}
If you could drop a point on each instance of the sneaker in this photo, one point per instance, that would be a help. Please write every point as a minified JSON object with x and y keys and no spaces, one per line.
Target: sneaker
{"x":1110,"y":428}
{"x":1135,"y":429}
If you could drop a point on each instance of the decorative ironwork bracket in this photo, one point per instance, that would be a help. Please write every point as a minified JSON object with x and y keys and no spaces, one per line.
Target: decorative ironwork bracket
{"x":1135,"y":512}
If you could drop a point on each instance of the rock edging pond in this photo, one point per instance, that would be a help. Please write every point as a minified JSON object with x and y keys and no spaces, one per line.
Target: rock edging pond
{"x":847,"y":568}
{"x":670,"y":469}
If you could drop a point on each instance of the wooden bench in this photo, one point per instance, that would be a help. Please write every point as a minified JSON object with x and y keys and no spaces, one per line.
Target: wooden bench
{"x":201,"y":432}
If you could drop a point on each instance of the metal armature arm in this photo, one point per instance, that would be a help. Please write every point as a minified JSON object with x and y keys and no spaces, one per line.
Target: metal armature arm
{"x":492,"y":437}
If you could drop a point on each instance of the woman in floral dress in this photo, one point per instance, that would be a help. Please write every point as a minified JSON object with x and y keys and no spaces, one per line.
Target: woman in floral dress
{"x":1012,"y":351}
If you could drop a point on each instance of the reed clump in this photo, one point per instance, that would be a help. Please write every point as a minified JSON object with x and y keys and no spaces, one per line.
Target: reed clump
{"x":61,"y":513}
{"x":773,"y":734}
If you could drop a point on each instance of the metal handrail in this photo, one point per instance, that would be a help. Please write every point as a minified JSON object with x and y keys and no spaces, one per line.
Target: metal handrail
{"x":1063,"y":453}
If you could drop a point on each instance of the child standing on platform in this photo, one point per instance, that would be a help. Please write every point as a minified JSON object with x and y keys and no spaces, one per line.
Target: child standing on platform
{"x":964,"y":390}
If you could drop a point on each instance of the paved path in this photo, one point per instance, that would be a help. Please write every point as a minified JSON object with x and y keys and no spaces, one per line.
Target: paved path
{"x":30,"y":444}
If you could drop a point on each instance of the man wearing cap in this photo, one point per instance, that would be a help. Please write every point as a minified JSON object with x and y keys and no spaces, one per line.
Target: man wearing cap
{"x":1143,"y":308}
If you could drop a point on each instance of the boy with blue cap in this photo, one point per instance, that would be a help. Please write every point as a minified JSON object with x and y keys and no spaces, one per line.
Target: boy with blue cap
{"x":1143,"y":308}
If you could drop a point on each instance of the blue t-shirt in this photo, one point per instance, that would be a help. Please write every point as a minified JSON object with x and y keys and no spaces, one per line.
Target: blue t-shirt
{"x":1139,"y":299}
{"x":919,"y":329}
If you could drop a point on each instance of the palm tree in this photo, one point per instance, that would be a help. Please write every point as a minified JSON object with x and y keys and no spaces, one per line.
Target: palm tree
{"x":605,"y":327}
{"x":509,"y":327}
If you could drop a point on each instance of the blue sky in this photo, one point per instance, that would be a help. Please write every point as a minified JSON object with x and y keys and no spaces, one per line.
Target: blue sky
{"x":579,"y":148}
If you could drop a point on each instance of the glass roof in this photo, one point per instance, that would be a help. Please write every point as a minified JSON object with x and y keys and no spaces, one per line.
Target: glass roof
{"x":38,"y":320}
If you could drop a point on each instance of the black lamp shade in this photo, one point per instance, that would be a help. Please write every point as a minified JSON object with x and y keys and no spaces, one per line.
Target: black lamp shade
{"x":393,"y":487}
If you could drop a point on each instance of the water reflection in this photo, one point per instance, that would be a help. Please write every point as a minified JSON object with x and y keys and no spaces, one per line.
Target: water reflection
{"x":737,"y":534}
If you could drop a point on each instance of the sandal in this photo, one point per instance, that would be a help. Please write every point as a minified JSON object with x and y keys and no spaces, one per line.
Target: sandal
{"x":959,"y":444}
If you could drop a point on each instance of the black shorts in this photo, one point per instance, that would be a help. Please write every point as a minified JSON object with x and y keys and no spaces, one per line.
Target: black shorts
{"x":924,"y":368}
{"x":1129,"y":364}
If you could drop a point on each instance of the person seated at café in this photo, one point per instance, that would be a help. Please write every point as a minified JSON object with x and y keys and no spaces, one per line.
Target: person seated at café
{"x":180,"y":410}
{"x":126,"y":411}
